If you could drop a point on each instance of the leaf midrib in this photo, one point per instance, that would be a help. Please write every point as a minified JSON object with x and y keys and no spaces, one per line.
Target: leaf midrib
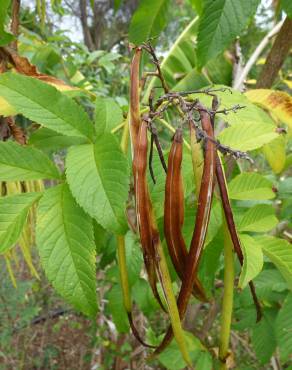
{"x":45,"y":108}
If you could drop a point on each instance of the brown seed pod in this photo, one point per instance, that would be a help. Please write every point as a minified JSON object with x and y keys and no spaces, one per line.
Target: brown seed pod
{"x":142,"y":207}
{"x":201,"y":225}
{"x":174,"y":212}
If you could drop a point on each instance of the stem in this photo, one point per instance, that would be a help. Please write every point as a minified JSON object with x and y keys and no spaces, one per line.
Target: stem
{"x":171,"y":304}
{"x":239,"y":82}
{"x":125,"y":137}
{"x":227,"y":304}
{"x":197,"y":159}
{"x":123,"y":273}
{"x":178,"y":40}
{"x":121,"y":241}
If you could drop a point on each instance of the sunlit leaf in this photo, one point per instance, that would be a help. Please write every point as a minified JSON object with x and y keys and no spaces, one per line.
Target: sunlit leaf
{"x":247,"y":137}
{"x":258,"y":219}
{"x":250,"y":185}
{"x":275,"y":153}
{"x":45,"y":105}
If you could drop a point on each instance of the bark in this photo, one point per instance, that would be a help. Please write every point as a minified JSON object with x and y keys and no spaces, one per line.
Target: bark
{"x":15,"y":21}
{"x":277,"y":55}
{"x":84,"y":22}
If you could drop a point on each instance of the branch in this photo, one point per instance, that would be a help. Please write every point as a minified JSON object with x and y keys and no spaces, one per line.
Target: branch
{"x":15,"y":22}
{"x":86,"y":31}
{"x":277,"y":55}
{"x":239,"y":80}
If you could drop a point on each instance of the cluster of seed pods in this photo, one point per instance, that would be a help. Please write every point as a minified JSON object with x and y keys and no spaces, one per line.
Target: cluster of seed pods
{"x":185,"y":262}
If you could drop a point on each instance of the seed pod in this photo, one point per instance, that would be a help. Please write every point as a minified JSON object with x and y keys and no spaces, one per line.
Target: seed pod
{"x":174,"y":212}
{"x":232,"y":229}
{"x":135,"y":120}
{"x":201,"y":225}
{"x":142,"y":211}
{"x":155,"y":260}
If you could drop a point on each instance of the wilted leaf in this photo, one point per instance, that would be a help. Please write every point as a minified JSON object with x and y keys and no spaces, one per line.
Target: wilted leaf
{"x":278,"y":103}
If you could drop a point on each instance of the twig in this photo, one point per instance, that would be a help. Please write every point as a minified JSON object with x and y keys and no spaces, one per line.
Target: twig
{"x":238,"y":63}
{"x":240,"y":80}
{"x":149,"y":48}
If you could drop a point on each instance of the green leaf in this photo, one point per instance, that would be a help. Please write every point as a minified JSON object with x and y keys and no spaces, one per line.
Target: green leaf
{"x":107,"y":115}
{"x":197,"y":5}
{"x":134,"y":258}
{"x":287,"y":7}
{"x":45,"y":105}
{"x":251,"y":186}
{"x":258,"y":219}
{"x":98,"y":177}
{"x":209,"y":263}
{"x":144,"y":298}
{"x":252,"y":262}
{"x":13,"y":214}
{"x":228,"y":97}
{"x":50,"y":141}
{"x":3,"y":12}
{"x":221,"y":21}
{"x":263,"y":339}
{"x":284,"y":329}
{"x":22,"y":163}
{"x":116,"y":308}
{"x":279,"y":252}
{"x":171,"y":357}
{"x":275,"y":153}
{"x":64,"y":236}
{"x":270,"y":285}
{"x":5,"y":38}
{"x":246,"y":137}
{"x":148,"y":20}
{"x":285,"y":188}
{"x":204,"y":361}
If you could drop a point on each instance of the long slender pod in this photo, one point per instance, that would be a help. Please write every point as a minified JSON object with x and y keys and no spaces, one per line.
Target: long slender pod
{"x":135,"y":119}
{"x":174,"y":212}
{"x":139,"y":152}
{"x":143,"y":215}
{"x":150,"y":240}
{"x":231,"y":227}
{"x":201,"y":225}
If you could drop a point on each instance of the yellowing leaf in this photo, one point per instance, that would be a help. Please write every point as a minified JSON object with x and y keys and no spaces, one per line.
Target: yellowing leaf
{"x":275,"y":153}
{"x":278,"y":103}
{"x":288,"y":83}
{"x":5,"y":108}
